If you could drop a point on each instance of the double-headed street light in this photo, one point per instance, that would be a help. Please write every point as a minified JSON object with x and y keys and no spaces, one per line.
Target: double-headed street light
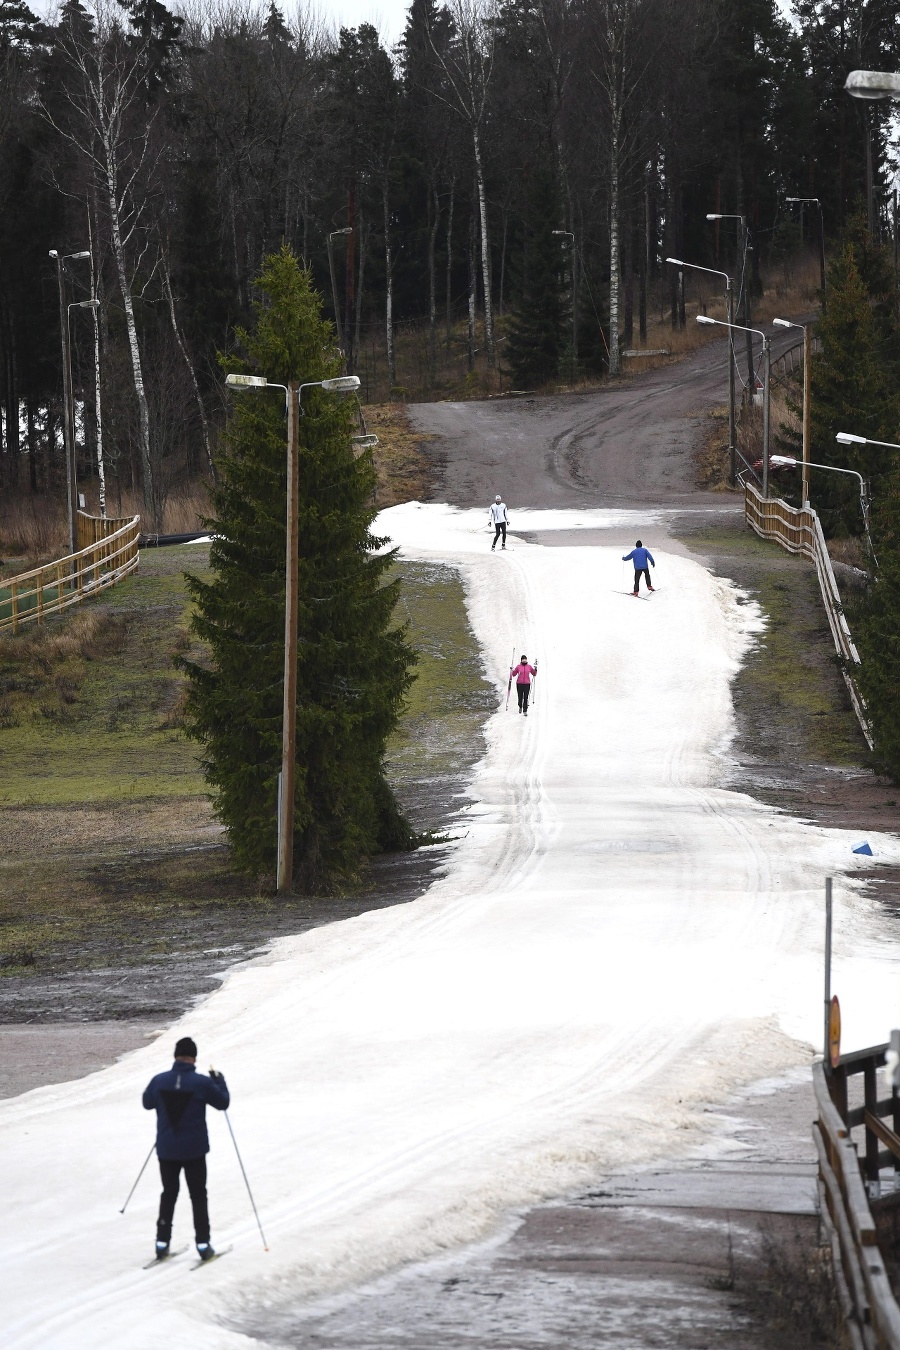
{"x":807,"y":394}
{"x":729,"y":306}
{"x":292,"y":393}
{"x":702,"y":318}
{"x":567,"y":234}
{"x":814,"y":201}
{"x":68,"y":400}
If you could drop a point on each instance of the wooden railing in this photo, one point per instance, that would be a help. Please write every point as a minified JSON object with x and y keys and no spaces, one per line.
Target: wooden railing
{"x":799,"y":530}
{"x":854,"y":1217}
{"x":108,"y":552}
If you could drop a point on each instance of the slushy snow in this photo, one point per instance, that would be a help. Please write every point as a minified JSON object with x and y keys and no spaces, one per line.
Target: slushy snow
{"x":615,"y":940}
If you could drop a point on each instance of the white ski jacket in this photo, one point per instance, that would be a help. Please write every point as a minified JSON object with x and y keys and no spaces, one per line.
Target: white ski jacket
{"x":497,"y":513}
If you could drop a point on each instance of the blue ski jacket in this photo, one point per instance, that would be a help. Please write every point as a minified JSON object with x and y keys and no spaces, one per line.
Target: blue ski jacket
{"x":640,"y":556}
{"x":180,"y":1098}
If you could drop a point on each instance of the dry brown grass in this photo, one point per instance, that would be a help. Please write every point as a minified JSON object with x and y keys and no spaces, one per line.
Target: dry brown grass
{"x":402,"y":468}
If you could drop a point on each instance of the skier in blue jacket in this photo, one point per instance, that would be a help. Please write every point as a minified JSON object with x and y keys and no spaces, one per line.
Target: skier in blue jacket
{"x":641,"y":556}
{"x":180,"y":1098}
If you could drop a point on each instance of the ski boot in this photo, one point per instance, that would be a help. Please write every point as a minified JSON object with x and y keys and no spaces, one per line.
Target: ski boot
{"x":162,"y":1250}
{"x":205,"y":1251}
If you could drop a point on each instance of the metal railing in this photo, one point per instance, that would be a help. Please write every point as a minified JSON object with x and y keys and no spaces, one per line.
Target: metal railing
{"x":850,"y":1215}
{"x":799,"y":530}
{"x":109,"y":551}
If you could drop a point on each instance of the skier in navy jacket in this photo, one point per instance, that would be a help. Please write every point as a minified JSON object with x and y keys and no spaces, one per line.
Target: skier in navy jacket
{"x":180,"y":1098}
{"x":640,"y":556}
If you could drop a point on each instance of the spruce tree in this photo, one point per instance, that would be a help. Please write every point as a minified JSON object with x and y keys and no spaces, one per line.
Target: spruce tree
{"x":354,"y":665}
{"x":876,"y":629}
{"x":535,"y":341}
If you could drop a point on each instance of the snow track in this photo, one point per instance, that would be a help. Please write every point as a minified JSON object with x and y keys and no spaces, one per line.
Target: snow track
{"x":616,"y":940}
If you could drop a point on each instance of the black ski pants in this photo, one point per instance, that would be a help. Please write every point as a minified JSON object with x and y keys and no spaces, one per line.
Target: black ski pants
{"x":195,"y":1176}
{"x":499,"y":527}
{"x":522,"y":693}
{"x":642,"y":572}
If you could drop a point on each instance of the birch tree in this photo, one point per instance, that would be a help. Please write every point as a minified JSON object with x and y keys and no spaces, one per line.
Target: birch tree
{"x":467,"y":63}
{"x":103,"y":112}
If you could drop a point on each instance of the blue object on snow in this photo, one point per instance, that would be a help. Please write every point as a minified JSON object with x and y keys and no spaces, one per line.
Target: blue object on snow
{"x":863,"y":848}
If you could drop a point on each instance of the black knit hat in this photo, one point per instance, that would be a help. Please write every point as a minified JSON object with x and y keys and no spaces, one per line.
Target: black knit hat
{"x":186,"y":1048}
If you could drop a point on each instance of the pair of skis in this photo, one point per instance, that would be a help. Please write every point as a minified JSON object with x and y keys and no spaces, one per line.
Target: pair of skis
{"x":163,"y":1261}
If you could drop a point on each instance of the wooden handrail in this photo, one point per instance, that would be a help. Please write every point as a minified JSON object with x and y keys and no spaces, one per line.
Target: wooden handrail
{"x":799,"y":530}
{"x":109,"y":556}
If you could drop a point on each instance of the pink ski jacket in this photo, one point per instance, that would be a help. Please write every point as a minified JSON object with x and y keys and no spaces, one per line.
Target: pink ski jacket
{"x":524,"y":673}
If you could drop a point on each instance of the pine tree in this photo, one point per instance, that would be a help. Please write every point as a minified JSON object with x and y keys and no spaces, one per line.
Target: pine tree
{"x":354,"y":664}
{"x":535,"y":342}
{"x":877,"y":632}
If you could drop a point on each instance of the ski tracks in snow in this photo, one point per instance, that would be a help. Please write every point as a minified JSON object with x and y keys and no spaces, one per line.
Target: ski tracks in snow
{"x":615,"y":941}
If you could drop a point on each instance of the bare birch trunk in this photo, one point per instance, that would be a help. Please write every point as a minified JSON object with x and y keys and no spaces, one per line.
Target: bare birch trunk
{"x":432,"y":284}
{"x":150,"y":497}
{"x":204,"y":421}
{"x":614,"y":246}
{"x":473,"y":269}
{"x":485,"y":247}
{"x":389,"y":291}
{"x":359,"y":284}
{"x":450,"y":264}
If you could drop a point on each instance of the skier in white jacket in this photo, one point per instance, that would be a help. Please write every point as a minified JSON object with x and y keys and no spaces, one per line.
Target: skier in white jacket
{"x":499,"y":520}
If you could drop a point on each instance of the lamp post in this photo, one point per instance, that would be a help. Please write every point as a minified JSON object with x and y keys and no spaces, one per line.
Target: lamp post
{"x":348,"y":229}
{"x":801,"y":201}
{"x":743,"y":245}
{"x":790,"y":462}
{"x":807,"y":394}
{"x":569,"y":235}
{"x":74,"y":304}
{"x":292,"y":392}
{"x":702,"y":318}
{"x":68,"y":402}
{"x":729,"y":306}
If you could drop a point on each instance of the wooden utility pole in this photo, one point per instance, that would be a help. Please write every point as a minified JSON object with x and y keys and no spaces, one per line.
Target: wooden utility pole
{"x":285,"y":874}
{"x":807,"y":380}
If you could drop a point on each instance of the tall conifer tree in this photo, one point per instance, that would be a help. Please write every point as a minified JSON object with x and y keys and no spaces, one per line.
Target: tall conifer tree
{"x":354,"y":663}
{"x":535,"y":341}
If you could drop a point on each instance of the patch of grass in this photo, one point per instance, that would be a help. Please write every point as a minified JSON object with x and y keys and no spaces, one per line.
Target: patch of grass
{"x":402,"y":468}
{"x":109,"y":851}
{"x":87,"y":701}
{"x":440,"y":733}
{"x":790,"y":699}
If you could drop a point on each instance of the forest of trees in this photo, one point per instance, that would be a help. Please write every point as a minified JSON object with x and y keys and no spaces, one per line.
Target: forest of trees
{"x":505,"y":159}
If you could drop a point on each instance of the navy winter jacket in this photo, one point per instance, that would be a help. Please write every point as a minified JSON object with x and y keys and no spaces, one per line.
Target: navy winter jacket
{"x":640,"y":556}
{"x":180,"y":1098}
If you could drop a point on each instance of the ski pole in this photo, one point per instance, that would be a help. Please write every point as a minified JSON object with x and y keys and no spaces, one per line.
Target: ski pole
{"x":247,"y":1183}
{"x":509,"y":681}
{"x":139,"y":1175}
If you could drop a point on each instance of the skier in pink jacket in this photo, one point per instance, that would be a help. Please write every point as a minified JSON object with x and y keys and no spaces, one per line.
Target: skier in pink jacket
{"x":524,"y":674}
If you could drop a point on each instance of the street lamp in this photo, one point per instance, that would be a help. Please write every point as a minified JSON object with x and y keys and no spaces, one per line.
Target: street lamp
{"x":801,"y":201}
{"x":846,"y":438}
{"x":807,"y":394}
{"x":744,"y":241}
{"x":75,"y":304}
{"x":702,"y":318}
{"x":729,"y":305}
{"x":68,"y":402}
{"x":348,"y":229}
{"x":873,"y":84}
{"x":569,"y":235}
{"x":790,"y":462}
{"x":292,"y":392}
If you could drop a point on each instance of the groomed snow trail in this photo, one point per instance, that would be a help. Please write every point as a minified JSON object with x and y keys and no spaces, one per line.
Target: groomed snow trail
{"x":615,"y":940}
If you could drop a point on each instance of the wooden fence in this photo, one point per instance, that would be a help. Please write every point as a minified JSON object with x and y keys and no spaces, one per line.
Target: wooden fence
{"x":108,"y":552}
{"x":799,"y":530}
{"x":855,"y":1214}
